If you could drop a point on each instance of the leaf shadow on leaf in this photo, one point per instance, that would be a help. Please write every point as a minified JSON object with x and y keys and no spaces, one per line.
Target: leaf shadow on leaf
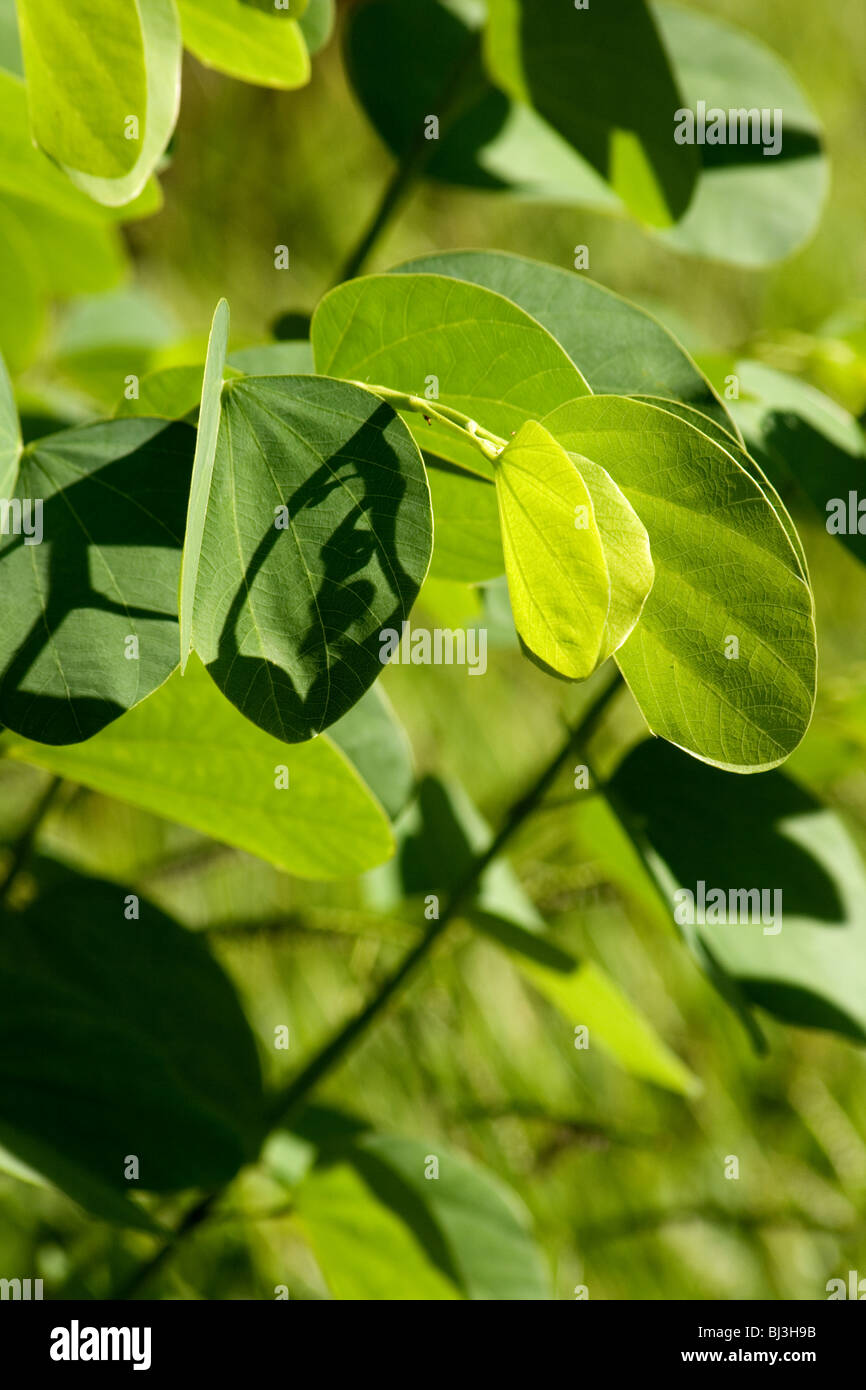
{"x":265,"y":691}
{"x":703,"y":827}
{"x":796,"y":144}
{"x":135,"y":502}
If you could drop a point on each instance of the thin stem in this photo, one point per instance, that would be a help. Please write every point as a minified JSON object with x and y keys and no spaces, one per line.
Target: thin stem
{"x":23,"y":846}
{"x":286,"y":1103}
{"x":411,"y":165}
{"x":491,"y":445}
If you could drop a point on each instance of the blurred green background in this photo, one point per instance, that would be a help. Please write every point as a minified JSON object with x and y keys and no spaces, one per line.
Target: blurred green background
{"x":625,"y":1183}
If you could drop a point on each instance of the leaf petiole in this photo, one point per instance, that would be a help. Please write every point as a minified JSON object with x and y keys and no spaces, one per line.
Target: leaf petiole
{"x":491,"y":445}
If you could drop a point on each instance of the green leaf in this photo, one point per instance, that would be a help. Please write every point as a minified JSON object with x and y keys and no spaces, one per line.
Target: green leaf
{"x":417,"y":332}
{"x":467,"y":540}
{"x":473,"y":1229}
{"x":202,"y":473}
{"x":604,"y":81}
{"x":749,"y":209}
{"x":316,"y":540}
{"x":10,"y":44}
{"x":29,"y":176}
{"x":618,"y":348}
{"x":317,"y":23}
{"x":363,"y":1249}
{"x":266,"y":49}
{"x":709,"y":427}
{"x":432,"y":55}
{"x":378,"y":747}
{"x":724,"y":568}
{"x":170,"y":393}
{"x":274,"y":359}
{"x":438,"y":839}
{"x":187,"y":755}
{"x":558,"y":579}
{"x":113,"y":500}
{"x":86,"y":74}
{"x":90,"y":68}
{"x":804,"y":437}
{"x":280,"y":9}
{"x":10,"y":435}
{"x":805,"y":960}
{"x":77,"y":256}
{"x":101,"y":1056}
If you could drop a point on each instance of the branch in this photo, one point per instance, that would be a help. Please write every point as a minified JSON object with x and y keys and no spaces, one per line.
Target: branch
{"x":287,"y":1102}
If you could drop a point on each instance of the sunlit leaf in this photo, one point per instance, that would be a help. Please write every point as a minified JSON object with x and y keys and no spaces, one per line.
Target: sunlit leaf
{"x":188,"y":755}
{"x":104,"y":88}
{"x":243,"y":42}
{"x":466,"y":346}
{"x":616,"y":346}
{"x":724,"y":568}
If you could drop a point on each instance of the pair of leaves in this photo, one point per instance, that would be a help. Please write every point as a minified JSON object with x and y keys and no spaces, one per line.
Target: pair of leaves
{"x":727,"y":560}
{"x":120,"y":1038}
{"x":103,"y":85}
{"x":309,"y":533}
{"x":565,"y":115}
{"x":576,"y":555}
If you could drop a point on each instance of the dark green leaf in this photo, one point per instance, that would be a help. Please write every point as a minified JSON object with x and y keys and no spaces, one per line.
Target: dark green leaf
{"x":113,"y":501}
{"x":317,"y":537}
{"x":121,"y":1037}
{"x":805,"y":959}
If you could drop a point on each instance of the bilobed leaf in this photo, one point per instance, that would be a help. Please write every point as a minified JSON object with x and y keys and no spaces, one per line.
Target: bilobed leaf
{"x":602,"y":78}
{"x":806,"y":962}
{"x":558,"y":579}
{"x":10,"y":435}
{"x":316,"y":539}
{"x":186,"y":754}
{"x":364,"y":1250}
{"x":112,"y":503}
{"x":234,"y":38}
{"x":724,"y":567}
{"x":483,"y":355}
{"x":91,"y":66}
{"x":101,"y":1053}
{"x":616,"y":346}
{"x":202,"y":474}
{"x":749,"y":208}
